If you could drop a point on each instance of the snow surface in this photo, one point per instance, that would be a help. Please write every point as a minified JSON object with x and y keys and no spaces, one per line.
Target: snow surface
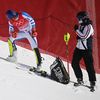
{"x":16,"y":84}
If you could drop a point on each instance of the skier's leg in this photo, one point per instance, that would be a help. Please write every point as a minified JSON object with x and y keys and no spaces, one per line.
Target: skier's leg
{"x":12,"y":46}
{"x":33,"y":43}
{"x":12,"y":50}
{"x":34,"y":46}
{"x":38,"y":57}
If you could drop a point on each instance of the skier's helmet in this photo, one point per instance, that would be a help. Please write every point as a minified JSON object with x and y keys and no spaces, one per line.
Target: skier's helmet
{"x":81,"y":15}
{"x":11,"y":14}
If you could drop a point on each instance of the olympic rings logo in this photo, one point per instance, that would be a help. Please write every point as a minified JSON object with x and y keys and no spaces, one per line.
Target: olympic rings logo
{"x":20,"y":22}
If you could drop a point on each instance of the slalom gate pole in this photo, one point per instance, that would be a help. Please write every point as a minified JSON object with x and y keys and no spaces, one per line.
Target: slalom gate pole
{"x":66,"y":39}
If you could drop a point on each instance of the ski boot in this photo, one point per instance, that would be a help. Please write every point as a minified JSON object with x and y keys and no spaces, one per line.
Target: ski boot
{"x":38,"y":59}
{"x":13,"y":51}
{"x":38,"y":68}
{"x":39,"y":71}
{"x":13,"y":58}
{"x":79,"y":82}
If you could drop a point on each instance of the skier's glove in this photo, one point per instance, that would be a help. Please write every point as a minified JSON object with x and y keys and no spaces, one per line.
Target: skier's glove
{"x":34,"y":34}
{"x":14,"y":34}
{"x":75,"y":27}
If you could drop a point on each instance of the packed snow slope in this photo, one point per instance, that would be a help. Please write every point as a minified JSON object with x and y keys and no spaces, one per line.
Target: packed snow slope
{"x":16,"y":84}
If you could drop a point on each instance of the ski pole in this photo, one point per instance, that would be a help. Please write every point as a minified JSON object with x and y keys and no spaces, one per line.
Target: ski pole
{"x":66,"y":39}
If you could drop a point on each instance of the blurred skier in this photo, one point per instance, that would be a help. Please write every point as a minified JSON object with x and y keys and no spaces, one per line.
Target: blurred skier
{"x":83,"y":48}
{"x":22,"y":25}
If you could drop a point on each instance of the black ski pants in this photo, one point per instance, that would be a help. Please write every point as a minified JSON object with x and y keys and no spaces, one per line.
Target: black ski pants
{"x":88,"y":60}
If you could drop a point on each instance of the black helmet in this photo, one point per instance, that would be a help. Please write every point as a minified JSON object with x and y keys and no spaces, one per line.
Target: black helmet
{"x":81,"y":15}
{"x":11,"y":14}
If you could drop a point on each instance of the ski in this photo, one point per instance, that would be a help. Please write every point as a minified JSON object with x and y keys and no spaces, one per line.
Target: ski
{"x":25,"y":67}
{"x":42,"y":73}
{"x":38,"y":72}
{"x":84,"y":85}
{"x":20,"y":65}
